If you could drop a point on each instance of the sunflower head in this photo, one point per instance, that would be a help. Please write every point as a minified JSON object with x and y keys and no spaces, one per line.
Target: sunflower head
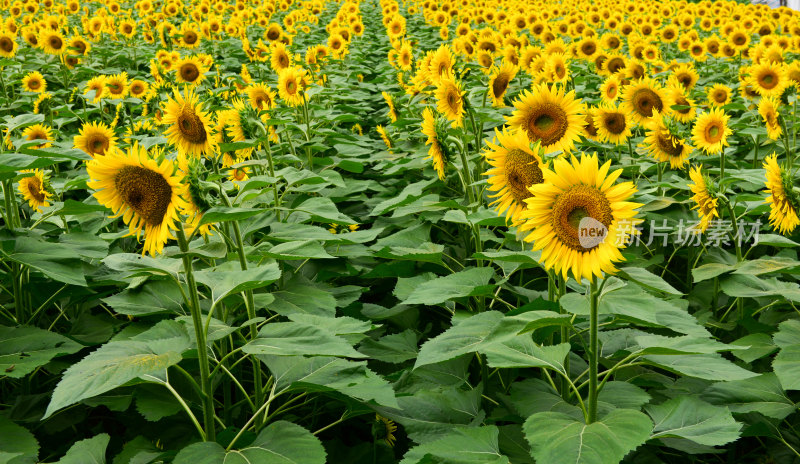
{"x":34,"y":189}
{"x":612,"y":123}
{"x":450,"y":99}
{"x":189,"y":126}
{"x":515,"y":166}
{"x":711,"y":131}
{"x":549,"y":116}
{"x":384,"y":429}
{"x":705,"y":198}
{"x":783,"y":200}
{"x":664,"y":143}
{"x":579,"y":218}
{"x":642,"y":98}
{"x":96,"y":139}
{"x":34,"y":82}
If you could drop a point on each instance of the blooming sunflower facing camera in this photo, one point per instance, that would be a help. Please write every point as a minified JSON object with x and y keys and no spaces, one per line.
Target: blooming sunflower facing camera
{"x":291,"y":83}
{"x":189,"y":126}
{"x":144,"y":191}
{"x":784,"y":203}
{"x":549,"y":116}
{"x":515,"y":167}
{"x":579,"y":218}
{"x":33,"y":189}
{"x":612,"y":123}
{"x":642,"y":98}
{"x":711,"y":131}
{"x":95,"y":139}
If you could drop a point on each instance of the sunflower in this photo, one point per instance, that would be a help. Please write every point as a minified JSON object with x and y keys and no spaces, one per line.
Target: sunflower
{"x":139,"y":88}
{"x":8,"y":44}
{"x":642,"y":98}
{"x":686,"y":75}
{"x":704,"y":197}
{"x":189,"y":126}
{"x":719,"y":95}
{"x":768,"y":109}
{"x":95,"y":139}
{"x":39,"y":132}
{"x":33,"y":189}
{"x":189,"y":70}
{"x":450,"y":99}
{"x":610,"y":89}
{"x":515,"y":167}
{"x":52,"y":42}
{"x":441,"y":64}
{"x":711,"y":131}
{"x":261,"y":96}
{"x":235,"y":124}
{"x":613,"y":125}
{"x":291,"y":85}
{"x":783,"y":200}
{"x":549,"y":116}
{"x":405,"y":56}
{"x":663,"y":144}
{"x":238,"y":175}
{"x":280,"y":58}
{"x":98,"y":84}
{"x":436,"y":152}
{"x":499,"y":81}
{"x":390,"y":103}
{"x":682,"y":108}
{"x":769,"y":79}
{"x":384,"y":136}
{"x":578,"y":218}
{"x":117,"y":85}
{"x":34,"y":82}
{"x":144,"y":191}
{"x":384,"y":429}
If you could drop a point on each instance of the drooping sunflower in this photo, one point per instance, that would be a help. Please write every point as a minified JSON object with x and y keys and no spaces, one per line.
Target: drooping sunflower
{"x":280,"y":58}
{"x":711,"y":131}
{"x":550,"y":116}
{"x":515,"y":166}
{"x":499,"y":81}
{"x":663,"y":144}
{"x":39,"y":132}
{"x":144,"y":191}
{"x":704,"y":197}
{"x":235,"y":125}
{"x":450,"y":99}
{"x":189,"y":70}
{"x":643,"y":98}
{"x":384,"y":136}
{"x":261,"y":96}
{"x":189,"y":126}
{"x":384,"y":429}
{"x":34,"y":82}
{"x":117,"y":85}
{"x":33,"y":189}
{"x":769,"y":79}
{"x":768,"y":109}
{"x":441,"y":64}
{"x":8,"y":44}
{"x":784,"y":203}
{"x":719,"y":95}
{"x":390,"y":103}
{"x":436,"y":152}
{"x":612,"y":123}
{"x":96,"y":139}
{"x":579,"y":218}
{"x":291,"y":82}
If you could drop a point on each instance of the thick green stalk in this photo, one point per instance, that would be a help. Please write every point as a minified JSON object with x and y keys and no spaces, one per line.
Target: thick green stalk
{"x":200,"y":336}
{"x":593,"y":348}
{"x":562,"y":290}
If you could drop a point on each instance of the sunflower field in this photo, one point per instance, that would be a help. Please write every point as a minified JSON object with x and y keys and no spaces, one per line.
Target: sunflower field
{"x":399,"y":231}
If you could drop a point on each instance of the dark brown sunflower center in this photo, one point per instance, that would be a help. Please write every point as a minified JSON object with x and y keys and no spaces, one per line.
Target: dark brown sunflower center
{"x":720,"y":96}
{"x":614,"y":123}
{"x":36,"y":135}
{"x":6,"y":44}
{"x":191,"y":127}
{"x":273,"y":34}
{"x":645,"y":101}
{"x":739,"y":39}
{"x":34,"y":84}
{"x":570,"y":212}
{"x":685,"y":80}
{"x":189,"y":37}
{"x":137,"y":89}
{"x":613,"y":42}
{"x":669,"y":145}
{"x":291,"y":87}
{"x":547,"y":123}
{"x":144,"y":191}
{"x":588,"y":48}
{"x":56,"y":42}
{"x":98,"y":144}
{"x":114,"y":88}
{"x":522,"y":171}
{"x":189,"y":72}
{"x":499,"y":85}
{"x":684,"y":104}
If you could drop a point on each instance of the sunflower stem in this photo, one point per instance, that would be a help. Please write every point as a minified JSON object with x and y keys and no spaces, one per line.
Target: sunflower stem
{"x":755,"y":152}
{"x":630,"y":150}
{"x":562,"y":290}
{"x":593,"y":348}
{"x":271,"y":165}
{"x":200,"y":336}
